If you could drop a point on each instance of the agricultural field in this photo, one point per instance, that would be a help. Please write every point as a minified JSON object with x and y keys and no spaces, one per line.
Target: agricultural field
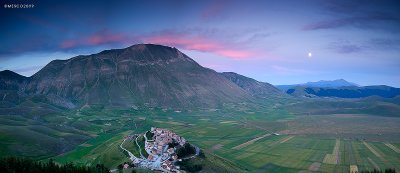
{"x":312,"y":149}
{"x":273,"y":140}
{"x":104,"y":149}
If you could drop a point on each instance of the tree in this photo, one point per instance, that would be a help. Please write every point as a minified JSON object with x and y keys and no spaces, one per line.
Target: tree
{"x":379,"y":171}
{"x":186,"y":150}
{"x":120,"y":167}
{"x":149,"y":135}
{"x":190,"y":166}
{"x":201,"y":154}
{"x":173,"y":144}
{"x":22,"y":165}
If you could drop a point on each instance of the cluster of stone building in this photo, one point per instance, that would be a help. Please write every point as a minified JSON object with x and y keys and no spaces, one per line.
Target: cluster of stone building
{"x":158,"y":147}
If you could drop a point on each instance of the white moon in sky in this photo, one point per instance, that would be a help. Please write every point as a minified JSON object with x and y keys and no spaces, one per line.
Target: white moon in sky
{"x":309,"y":54}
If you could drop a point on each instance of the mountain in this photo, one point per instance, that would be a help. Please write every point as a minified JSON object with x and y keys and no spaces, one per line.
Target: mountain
{"x":10,"y":85}
{"x":322,"y":83}
{"x":140,"y":75}
{"x":346,"y":92}
{"x":10,"y":80}
{"x":254,"y":87}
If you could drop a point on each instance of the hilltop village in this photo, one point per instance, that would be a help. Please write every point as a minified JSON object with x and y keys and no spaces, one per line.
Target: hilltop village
{"x":164,"y":148}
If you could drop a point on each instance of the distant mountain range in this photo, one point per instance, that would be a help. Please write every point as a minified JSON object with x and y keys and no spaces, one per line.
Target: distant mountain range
{"x":338,"y":88}
{"x":322,"y":83}
{"x":140,"y":75}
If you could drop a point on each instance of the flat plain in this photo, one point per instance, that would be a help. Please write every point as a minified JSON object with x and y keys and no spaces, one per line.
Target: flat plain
{"x":280,"y":140}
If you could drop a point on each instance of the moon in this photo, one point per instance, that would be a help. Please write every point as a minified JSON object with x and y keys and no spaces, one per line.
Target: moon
{"x":309,"y":54}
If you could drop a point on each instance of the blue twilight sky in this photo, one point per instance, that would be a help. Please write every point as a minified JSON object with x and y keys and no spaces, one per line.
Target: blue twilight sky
{"x":269,"y":41}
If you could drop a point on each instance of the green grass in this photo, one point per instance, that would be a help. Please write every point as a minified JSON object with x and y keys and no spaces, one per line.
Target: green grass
{"x":94,"y":136}
{"x":141,"y":142}
{"x":131,"y":146}
{"x":102,"y":149}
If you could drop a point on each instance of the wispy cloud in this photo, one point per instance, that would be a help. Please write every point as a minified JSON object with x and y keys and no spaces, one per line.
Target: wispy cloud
{"x":345,"y":47}
{"x":99,"y":38}
{"x":351,"y":21}
{"x":329,"y":24}
{"x":384,"y":43}
{"x":375,"y":44}
{"x":344,"y":6}
{"x":348,"y":48}
{"x":213,"y":9}
{"x":358,"y":13}
{"x":189,"y":41}
{"x":200,"y":44}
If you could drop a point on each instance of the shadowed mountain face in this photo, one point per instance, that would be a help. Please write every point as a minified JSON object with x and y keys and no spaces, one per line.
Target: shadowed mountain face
{"x":255,"y":88}
{"x":144,"y":74}
{"x":10,"y":80}
{"x":10,"y":86}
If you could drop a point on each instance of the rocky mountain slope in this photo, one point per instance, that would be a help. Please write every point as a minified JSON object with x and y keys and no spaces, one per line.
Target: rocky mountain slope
{"x":11,"y":85}
{"x":254,"y":87}
{"x":140,"y":75}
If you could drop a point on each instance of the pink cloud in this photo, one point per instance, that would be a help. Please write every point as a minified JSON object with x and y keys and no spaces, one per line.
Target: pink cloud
{"x":68,"y":44}
{"x":181,"y":40}
{"x":93,"y":40}
{"x":200,"y":44}
{"x":98,"y":39}
{"x":236,"y":54}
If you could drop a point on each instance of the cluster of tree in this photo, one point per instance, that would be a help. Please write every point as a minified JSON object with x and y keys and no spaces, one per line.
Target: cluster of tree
{"x":201,"y":154}
{"x":173,"y":144}
{"x":185,"y":151}
{"x":379,"y":171}
{"x":149,"y":135}
{"x":23,"y":165}
{"x":189,"y":166}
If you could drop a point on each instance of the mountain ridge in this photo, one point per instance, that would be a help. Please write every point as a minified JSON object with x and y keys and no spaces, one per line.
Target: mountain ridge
{"x":321,"y":83}
{"x":139,"y":75}
{"x":346,"y":91}
{"x":10,"y":80}
{"x":254,"y":87}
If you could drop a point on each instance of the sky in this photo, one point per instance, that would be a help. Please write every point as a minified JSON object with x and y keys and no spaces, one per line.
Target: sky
{"x":268,"y":40}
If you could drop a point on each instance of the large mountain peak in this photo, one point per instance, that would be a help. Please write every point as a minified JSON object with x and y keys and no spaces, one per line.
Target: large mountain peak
{"x":145,"y":53}
{"x":143,"y":74}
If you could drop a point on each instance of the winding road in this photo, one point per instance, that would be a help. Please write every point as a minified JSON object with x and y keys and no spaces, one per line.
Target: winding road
{"x":131,"y":156}
{"x":140,"y":149}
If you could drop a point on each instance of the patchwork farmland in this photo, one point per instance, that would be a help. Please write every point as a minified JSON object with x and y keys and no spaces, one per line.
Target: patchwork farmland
{"x":253,"y":150}
{"x":334,"y":157}
{"x":296,"y":148}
